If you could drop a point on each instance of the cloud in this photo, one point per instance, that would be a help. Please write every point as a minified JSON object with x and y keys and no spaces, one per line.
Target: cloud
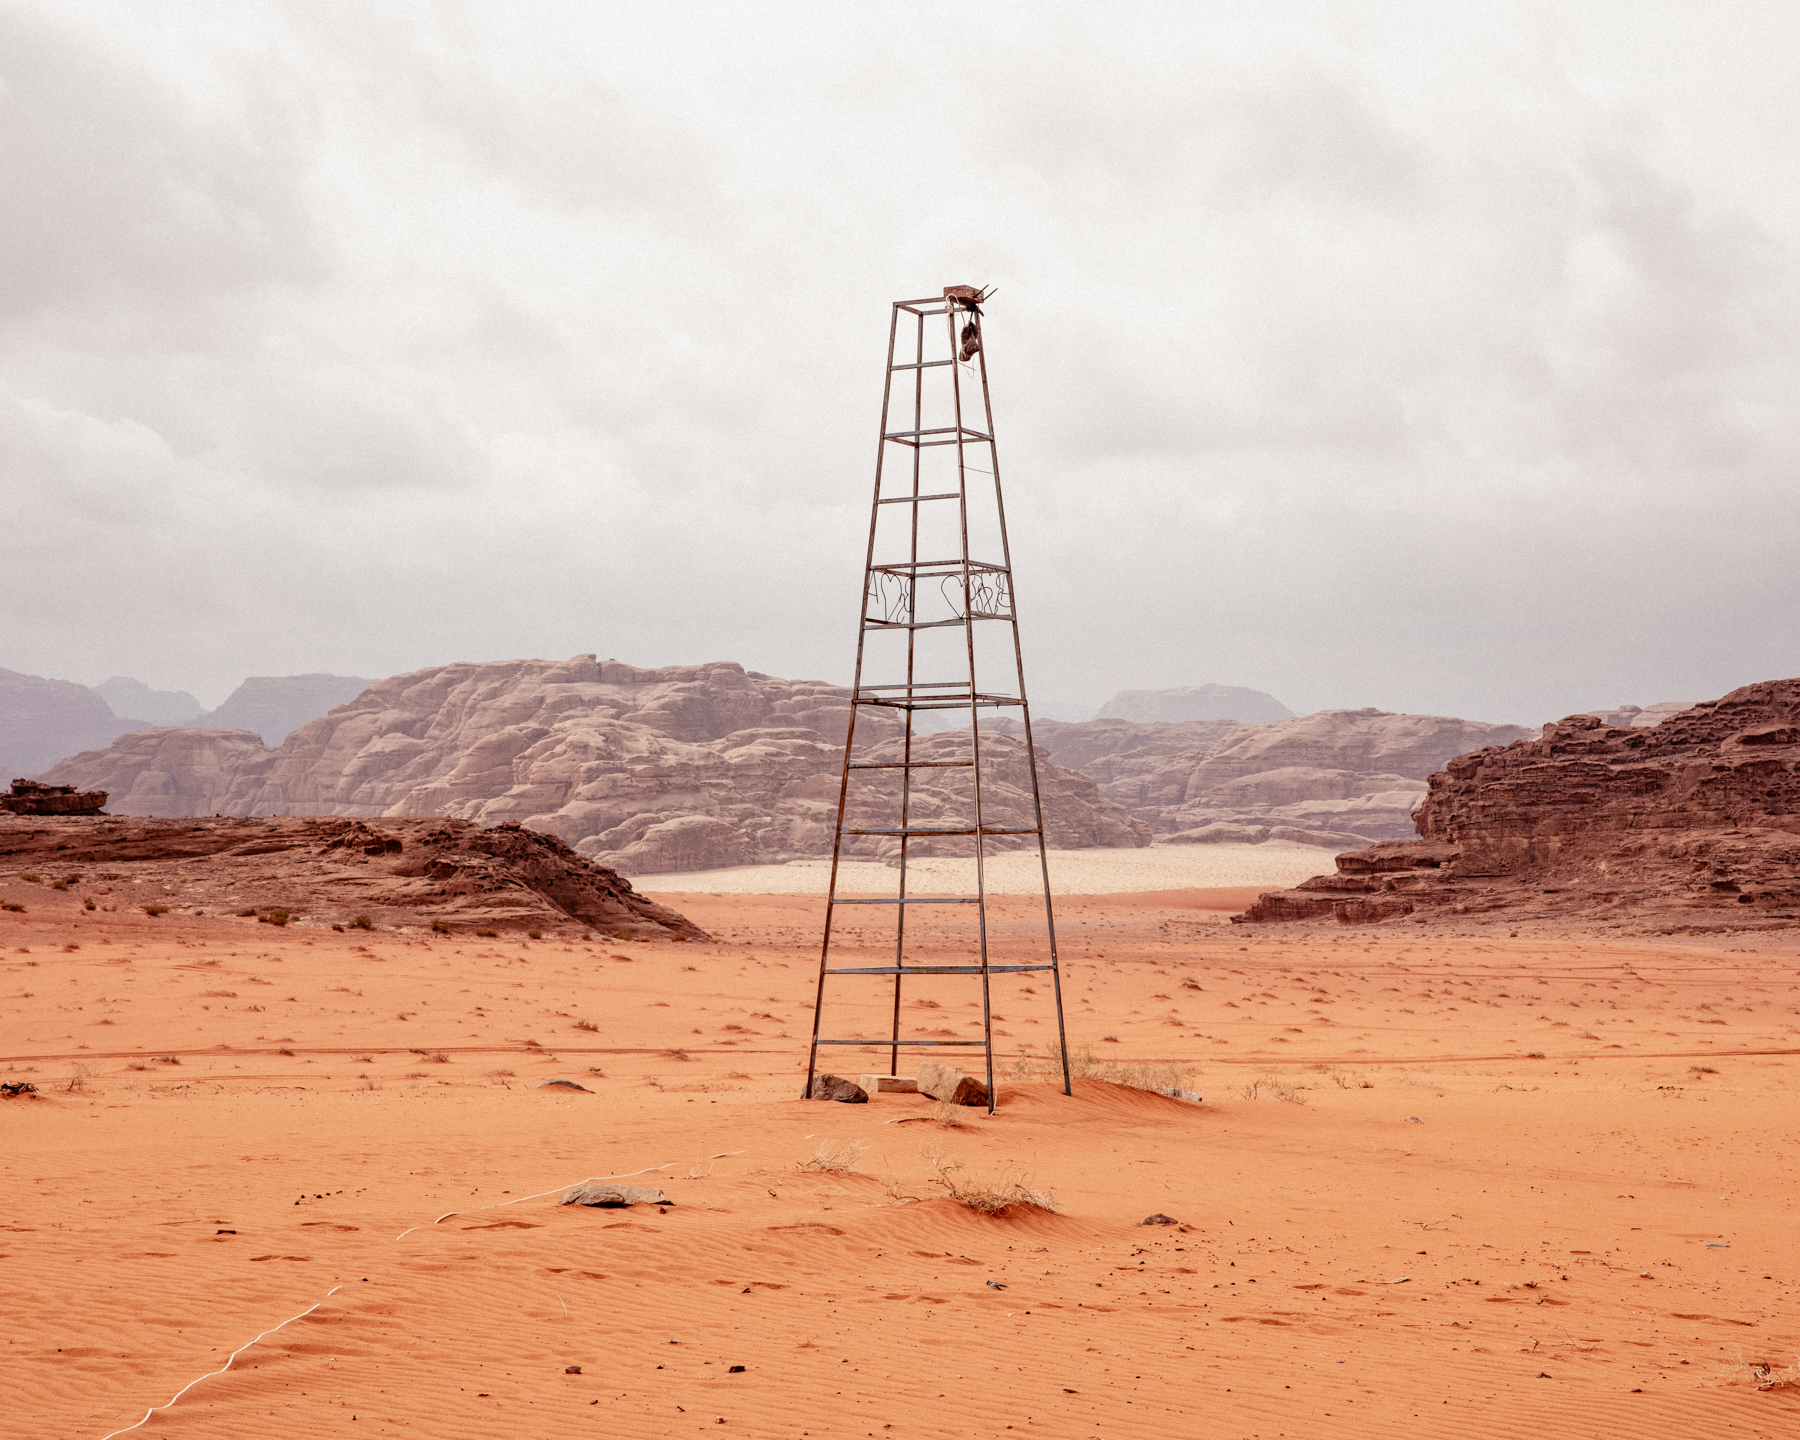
{"x":1364,"y":354}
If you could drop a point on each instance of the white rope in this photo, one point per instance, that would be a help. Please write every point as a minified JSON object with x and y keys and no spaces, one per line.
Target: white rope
{"x":226,"y":1366}
{"x":647,"y":1170}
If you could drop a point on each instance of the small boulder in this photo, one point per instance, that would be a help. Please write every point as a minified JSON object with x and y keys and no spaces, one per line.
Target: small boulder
{"x":562,"y":1085}
{"x":1159,"y":1219}
{"x":1175,"y":1092}
{"x":836,"y":1087}
{"x":615,"y":1195}
{"x":945,"y":1082}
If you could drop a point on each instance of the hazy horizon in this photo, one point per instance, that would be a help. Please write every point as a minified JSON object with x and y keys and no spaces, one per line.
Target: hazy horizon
{"x":1394,"y":355}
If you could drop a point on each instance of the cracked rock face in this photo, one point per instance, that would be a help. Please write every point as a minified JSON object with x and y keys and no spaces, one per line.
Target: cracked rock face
{"x":642,"y":771}
{"x":1690,"y":823}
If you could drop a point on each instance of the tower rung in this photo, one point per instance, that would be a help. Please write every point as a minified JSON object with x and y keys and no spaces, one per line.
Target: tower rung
{"x":914,"y":499}
{"x":936,"y":430}
{"x":903,"y":1044}
{"x":915,"y":830}
{"x":917,"y":900}
{"x":869,"y":624}
{"x":949,"y":567}
{"x":939,"y":702}
{"x":927,"y":365}
{"x":913,"y":765}
{"x":935,"y":970}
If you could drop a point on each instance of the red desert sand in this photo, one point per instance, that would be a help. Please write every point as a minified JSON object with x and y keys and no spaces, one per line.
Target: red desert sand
{"x":1441,"y":1185}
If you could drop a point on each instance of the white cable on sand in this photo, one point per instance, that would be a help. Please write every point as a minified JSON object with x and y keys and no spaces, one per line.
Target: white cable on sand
{"x":590,"y":1179}
{"x":227,"y":1365}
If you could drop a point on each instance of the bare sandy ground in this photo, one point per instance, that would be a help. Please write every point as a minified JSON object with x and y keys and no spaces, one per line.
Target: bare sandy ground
{"x":1270,"y":866}
{"x":1485,"y":1187}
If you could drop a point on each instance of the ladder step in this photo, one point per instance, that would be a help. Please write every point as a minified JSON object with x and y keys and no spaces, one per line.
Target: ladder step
{"x":970,"y":830}
{"x":913,"y":685}
{"x":913,"y":765}
{"x":944,"y":702}
{"x":949,"y":567}
{"x":936,"y":430}
{"x":911,"y":900}
{"x":935,"y":970}
{"x":914,"y":499}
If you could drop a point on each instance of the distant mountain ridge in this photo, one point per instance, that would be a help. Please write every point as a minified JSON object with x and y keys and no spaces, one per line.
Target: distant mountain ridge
{"x":134,"y":700}
{"x":1195,"y":702}
{"x":680,"y":768}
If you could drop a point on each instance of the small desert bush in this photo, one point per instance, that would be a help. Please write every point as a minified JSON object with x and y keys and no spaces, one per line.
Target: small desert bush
{"x":1275,"y":1089}
{"x":363,"y":922}
{"x":87,"y":902}
{"x":34,"y":879}
{"x":534,"y":934}
{"x":946,"y":1115}
{"x":436,"y":1057}
{"x":156,"y":909}
{"x":441,"y":927}
{"x":586,"y":1025}
{"x":836,"y":1157}
{"x":278,"y":917}
{"x":246,"y":914}
{"x":13,"y":905}
{"x":59,"y":884}
{"x":486,"y":934}
{"x":1160,"y":1076}
{"x":1009,"y":1190}
{"x":1762,"y":1373}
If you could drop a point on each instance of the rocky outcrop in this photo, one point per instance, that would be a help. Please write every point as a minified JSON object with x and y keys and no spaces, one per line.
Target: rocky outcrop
{"x":1337,"y":777}
{"x":272,"y":707}
{"x":30,"y":798}
{"x":645,"y":771}
{"x":1692,"y":823}
{"x":43,"y":720}
{"x":445,"y":874}
{"x":1196,"y":702}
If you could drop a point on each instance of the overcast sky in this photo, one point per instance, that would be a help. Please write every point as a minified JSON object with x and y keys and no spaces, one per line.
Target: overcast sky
{"x":1434,"y":357}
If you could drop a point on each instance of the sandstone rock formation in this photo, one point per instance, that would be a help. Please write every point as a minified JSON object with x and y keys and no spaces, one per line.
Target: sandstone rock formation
{"x":400,"y":873}
{"x":43,"y":720}
{"x":1336,"y":777}
{"x":645,"y":771}
{"x":274,"y":706}
{"x":133,"y":698}
{"x":1692,"y":823}
{"x":30,"y":798}
{"x":1195,"y":702}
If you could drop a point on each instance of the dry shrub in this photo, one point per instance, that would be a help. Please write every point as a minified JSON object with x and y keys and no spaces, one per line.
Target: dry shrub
{"x":946,"y":1115}
{"x":1160,"y":1076}
{"x":1276,"y":1089}
{"x":836,"y":1157}
{"x":1762,"y":1374}
{"x":1009,"y":1190}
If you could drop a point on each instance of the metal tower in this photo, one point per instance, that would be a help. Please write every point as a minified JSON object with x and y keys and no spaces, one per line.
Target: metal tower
{"x":937,"y":602}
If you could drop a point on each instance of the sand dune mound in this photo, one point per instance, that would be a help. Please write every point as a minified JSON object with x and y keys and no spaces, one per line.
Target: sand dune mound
{"x":1693,"y":822}
{"x":397,"y":872}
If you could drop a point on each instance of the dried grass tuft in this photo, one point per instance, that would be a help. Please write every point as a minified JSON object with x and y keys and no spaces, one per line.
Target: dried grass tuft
{"x":836,"y":1157}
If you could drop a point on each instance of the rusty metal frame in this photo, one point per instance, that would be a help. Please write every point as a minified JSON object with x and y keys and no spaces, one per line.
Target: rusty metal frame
{"x":913,"y":695}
